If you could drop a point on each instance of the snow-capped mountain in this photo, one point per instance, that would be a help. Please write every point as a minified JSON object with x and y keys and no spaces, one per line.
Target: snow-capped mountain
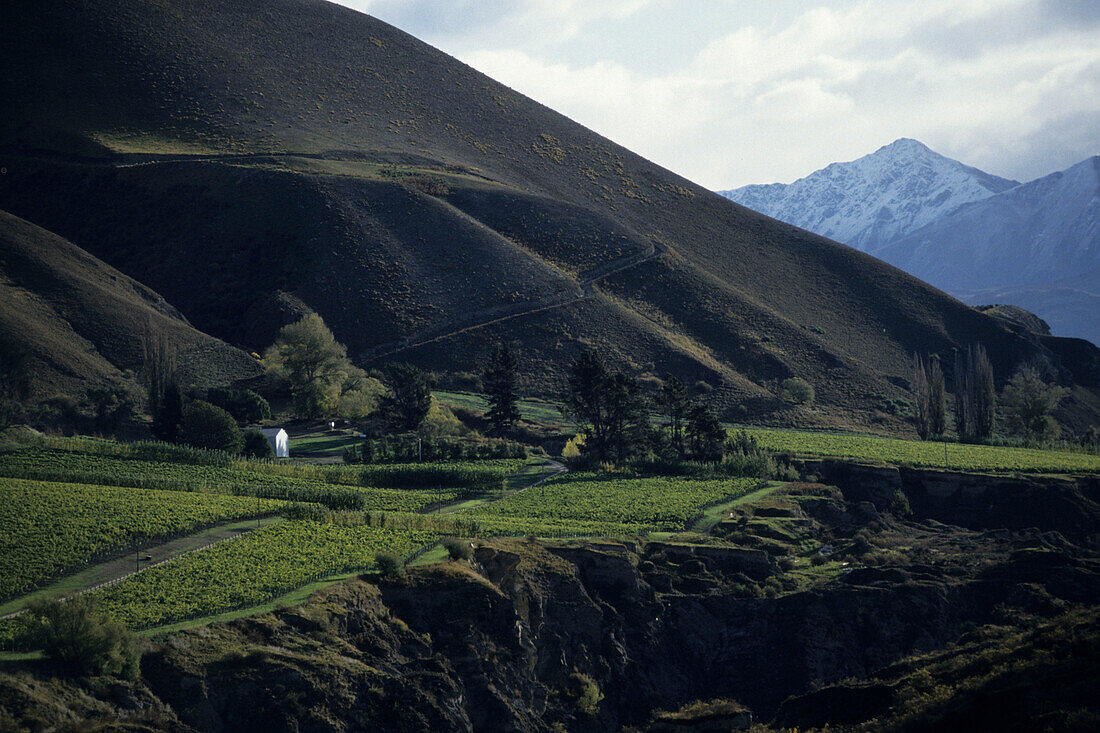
{"x":1036,"y":246}
{"x":981,"y":238}
{"x":869,"y":202}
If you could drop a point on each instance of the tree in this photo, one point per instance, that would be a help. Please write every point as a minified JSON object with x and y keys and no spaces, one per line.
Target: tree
{"x":922,"y":397}
{"x":409,"y":398}
{"x":79,"y":640}
{"x":797,"y":391}
{"x":930,"y":397}
{"x":707,"y":435}
{"x":16,"y":370}
{"x":499,"y":380}
{"x":112,"y":404}
{"x":207,"y":426}
{"x":308,"y":356}
{"x":975,"y":397}
{"x":609,"y":408}
{"x":937,"y":398}
{"x":165,"y":399}
{"x":256,"y":445}
{"x":627,"y":416}
{"x":1028,"y":402}
{"x":244,"y":405}
{"x":675,"y":400}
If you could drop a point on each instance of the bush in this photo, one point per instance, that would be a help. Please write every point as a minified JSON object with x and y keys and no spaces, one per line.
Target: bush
{"x":256,"y":445}
{"x":244,"y":405}
{"x":587,"y":692}
{"x":797,"y":391}
{"x":457,"y":549}
{"x":899,"y":504}
{"x":391,"y":566}
{"x":207,"y":426}
{"x":80,"y":641}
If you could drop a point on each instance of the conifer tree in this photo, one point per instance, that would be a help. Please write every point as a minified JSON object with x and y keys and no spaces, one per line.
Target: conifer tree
{"x":675,"y":400}
{"x":500,"y":385}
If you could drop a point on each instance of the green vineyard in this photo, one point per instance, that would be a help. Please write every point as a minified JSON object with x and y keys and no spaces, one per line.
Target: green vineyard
{"x":959,"y":456}
{"x":396,"y":487}
{"x":630,"y":505}
{"x":250,"y":570}
{"x":50,"y":527}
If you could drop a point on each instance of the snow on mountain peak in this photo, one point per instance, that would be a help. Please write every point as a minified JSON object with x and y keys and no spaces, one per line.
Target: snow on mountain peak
{"x":869,"y":201}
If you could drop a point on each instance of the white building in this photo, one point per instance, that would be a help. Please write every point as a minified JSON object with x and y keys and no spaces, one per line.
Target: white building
{"x":280,"y":441}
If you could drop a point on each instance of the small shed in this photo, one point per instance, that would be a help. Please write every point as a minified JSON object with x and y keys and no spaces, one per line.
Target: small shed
{"x":280,"y":441}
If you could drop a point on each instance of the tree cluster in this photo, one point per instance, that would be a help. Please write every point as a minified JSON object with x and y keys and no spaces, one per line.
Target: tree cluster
{"x":614,"y":415}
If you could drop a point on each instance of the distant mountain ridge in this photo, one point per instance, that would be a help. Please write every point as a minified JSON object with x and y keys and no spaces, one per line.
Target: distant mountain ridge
{"x":981,"y":238}
{"x":868,"y":202}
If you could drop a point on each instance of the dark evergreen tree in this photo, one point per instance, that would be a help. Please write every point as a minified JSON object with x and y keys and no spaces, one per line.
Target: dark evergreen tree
{"x":674,"y":398}
{"x":499,"y":380}
{"x":627,"y":416}
{"x":168,"y":412}
{"x":16,"y":368}
{"x":207,"y":426}
{"x":922,"y":397}
{"x":409,"y":398}
{"x":588,"y":380}
{"x":608,"y":407}
{"x":706,"y":433}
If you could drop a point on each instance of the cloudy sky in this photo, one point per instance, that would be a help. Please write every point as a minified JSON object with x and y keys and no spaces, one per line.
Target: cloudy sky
{"x":730,"y":92}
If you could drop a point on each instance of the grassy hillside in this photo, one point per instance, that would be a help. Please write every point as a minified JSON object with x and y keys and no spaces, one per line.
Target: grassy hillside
{"x":224,"y":153}
{"x":85,"y":322}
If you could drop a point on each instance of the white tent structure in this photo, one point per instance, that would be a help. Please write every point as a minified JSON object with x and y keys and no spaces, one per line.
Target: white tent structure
{"x":280,"y":442}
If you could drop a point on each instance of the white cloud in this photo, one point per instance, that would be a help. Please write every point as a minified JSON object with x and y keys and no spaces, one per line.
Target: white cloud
{"x":990,"y":82}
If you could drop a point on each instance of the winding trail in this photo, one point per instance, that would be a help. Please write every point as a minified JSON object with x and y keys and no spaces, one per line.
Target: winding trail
{"x":585,"y":288}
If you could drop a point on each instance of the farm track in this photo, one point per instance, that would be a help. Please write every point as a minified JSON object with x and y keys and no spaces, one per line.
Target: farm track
{"x":559,"y":469}
{"x":112,"y":571}
{"x":115,"y":570}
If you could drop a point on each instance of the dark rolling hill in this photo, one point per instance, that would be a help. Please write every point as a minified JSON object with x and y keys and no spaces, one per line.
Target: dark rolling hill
{"x":227,"y":153}
{"x":84,"y":322}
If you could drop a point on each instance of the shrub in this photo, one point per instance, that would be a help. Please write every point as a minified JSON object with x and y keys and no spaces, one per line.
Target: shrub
{"x":899,"y":504}
{"x":391,"y":566}
{"x":457,"y":549}
{"x":256,"y":445}
{"x":572,"y":449}
{"x":588,"y":694}
{"x":80,"y":641}
{"x":244,"y":405}
{"x":796,"y":391}
{"x":207,"y":426}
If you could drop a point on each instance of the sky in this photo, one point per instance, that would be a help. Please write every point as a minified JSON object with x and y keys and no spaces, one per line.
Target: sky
{"x":732,"y":92}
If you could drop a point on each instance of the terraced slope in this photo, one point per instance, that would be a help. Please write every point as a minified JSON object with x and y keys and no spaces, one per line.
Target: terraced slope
{"x":228,"y":153}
